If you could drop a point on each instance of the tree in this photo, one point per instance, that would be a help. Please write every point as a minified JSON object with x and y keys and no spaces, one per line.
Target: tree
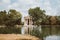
{"x":53,"y":20}
{"x":3,"y":17}
{"x":14,"y":14}
{"x":37,"y":15}
{"x":13,"y":17}
{"x":58,"y":20}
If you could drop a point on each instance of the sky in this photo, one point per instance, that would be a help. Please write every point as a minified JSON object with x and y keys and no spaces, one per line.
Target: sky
{"x":52,"y":7}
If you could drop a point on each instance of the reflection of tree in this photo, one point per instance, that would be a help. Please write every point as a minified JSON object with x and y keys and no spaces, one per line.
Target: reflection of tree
{"x":50,"y":30}
{"x":36,"y":32}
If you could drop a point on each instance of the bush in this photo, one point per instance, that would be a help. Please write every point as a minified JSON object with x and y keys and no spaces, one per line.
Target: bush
{"x":6,"y":30}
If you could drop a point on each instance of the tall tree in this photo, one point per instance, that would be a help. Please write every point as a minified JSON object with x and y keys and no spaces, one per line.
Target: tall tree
{"x":2,"y":17}
{"x":37,"y":15}
{"x":13,"y":17}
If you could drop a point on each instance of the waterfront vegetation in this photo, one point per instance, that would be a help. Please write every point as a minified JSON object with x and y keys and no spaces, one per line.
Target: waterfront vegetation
{"x":11,"y":30}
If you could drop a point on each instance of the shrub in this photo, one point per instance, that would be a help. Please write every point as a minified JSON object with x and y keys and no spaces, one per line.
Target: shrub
{"x":6,"y":30}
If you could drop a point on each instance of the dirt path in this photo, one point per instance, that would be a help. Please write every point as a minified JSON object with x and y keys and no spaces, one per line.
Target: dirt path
{"x":17,"y":37}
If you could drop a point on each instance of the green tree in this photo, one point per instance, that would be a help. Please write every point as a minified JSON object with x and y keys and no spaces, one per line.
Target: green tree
{"x":14,"y":14}
{"x":58,"y":19}
{"x":37,"y":15}
{"x":13,"y":17}
{"x":3,"y":17}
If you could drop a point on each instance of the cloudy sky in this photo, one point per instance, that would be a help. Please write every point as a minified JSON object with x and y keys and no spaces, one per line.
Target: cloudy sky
{"x":52,"y":7}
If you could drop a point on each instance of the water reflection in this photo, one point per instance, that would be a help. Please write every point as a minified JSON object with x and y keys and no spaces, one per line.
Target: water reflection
{"x":53,"y":37}
{"x":43,"y":31}
{"x":51,"y":32}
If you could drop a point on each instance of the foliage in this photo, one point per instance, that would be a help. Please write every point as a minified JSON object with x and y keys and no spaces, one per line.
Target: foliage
{"x":37,"y":15}
{"x":2,"y":17}
{"x":14,"y":14}
{"x":58,"y":20}
{"x":10,"y":18}
{"x":6,"y":30}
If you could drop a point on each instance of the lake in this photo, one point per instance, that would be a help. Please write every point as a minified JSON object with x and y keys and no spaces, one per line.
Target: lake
{"x":52,"y":37}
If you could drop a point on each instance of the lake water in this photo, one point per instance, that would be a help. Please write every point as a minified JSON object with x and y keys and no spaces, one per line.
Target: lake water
{"x":46,"y":30}
{"x":53,"y":37}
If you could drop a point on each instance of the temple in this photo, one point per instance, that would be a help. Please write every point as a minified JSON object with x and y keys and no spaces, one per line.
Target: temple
{"x":28,"y":25}
{"x":28,"y":20}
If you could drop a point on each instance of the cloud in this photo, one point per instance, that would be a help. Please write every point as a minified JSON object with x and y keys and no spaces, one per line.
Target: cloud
{"x":0,"y":3}
{"x":14,"y":5}
{"x":46,"y":5}
{"x":6,"y":1}
{"x":23,"y":5}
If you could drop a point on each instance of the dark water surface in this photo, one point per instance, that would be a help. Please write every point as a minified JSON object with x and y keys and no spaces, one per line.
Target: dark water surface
{"x":51,"y":32}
